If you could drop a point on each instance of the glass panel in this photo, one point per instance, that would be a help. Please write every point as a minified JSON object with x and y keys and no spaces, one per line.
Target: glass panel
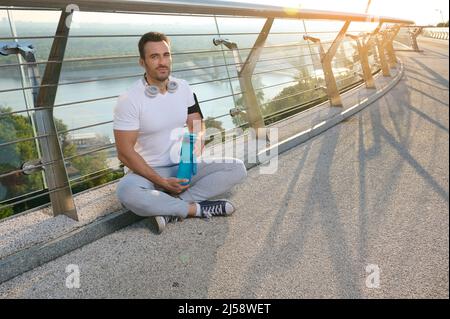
{"x":217,"y":107}
{"x":36,"y":23}
{"x":287,"y":26}
{"x":90,"y":90}
{"x":240,"y":25}
{"x":87,"y":23}
{"x":202,"y":75}
{"x":11,"y":79}
{"x":212,"y":90}
{"x":12,"y":156}
{"x":323,"y":26}
{"x":87,"y":114}
{"x":91,"y":165}
{"x":362,"y":27}
{"x":404,"y":37}
{"x":5,"y":30}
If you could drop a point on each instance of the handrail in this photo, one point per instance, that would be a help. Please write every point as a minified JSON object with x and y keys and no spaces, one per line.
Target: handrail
{"x":212,"y":7}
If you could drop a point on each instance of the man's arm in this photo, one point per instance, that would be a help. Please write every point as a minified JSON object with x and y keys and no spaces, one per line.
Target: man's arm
{"x":125,"y":141}
{"x":196,"y":125}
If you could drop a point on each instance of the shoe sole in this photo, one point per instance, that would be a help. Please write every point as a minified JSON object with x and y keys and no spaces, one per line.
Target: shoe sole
{"x":160,"y":223}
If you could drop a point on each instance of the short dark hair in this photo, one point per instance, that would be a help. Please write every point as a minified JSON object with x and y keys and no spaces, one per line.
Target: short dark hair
{"x":151,"y":37}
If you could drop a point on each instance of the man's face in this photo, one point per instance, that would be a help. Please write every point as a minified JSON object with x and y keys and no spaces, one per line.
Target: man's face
{"x":158,"y":60}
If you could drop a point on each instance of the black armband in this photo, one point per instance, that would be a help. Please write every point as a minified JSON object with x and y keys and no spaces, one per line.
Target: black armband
{"x":195,"y":108}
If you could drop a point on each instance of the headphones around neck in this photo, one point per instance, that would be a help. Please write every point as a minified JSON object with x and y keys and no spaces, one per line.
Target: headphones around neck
{"x":152,"y":90}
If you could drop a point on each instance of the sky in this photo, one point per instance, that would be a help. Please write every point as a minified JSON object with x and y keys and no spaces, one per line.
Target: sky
{"x":423,"y":12}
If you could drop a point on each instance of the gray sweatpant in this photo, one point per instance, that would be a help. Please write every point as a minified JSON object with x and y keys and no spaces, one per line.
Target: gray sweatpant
{"x":139,"y":195}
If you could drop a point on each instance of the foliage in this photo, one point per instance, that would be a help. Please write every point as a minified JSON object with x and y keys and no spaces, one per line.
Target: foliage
{"x":12,"y":156}
{"x":442,"y":25}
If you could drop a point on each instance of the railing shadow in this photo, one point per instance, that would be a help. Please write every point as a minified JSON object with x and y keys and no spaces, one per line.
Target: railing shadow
{"x":400,"y":110}
{"x":320,"y":205}
{"x":437,"y":77}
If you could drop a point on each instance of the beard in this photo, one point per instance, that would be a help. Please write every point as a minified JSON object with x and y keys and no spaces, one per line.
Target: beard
{"x":161,"y":77}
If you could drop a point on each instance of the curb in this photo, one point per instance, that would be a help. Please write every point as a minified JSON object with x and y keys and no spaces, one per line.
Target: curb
{"x":37,"y":255}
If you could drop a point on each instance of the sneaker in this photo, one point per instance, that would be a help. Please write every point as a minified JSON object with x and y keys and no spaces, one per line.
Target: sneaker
{"x":162,"y":221}
{"x":210,"y":208}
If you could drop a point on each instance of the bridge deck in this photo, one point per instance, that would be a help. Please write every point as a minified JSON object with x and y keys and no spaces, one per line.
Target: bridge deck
{"x":371,"y":190}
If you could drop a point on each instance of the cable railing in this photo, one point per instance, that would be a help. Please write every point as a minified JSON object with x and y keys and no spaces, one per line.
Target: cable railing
{"x":408,"y":35}
{"x":175,"y":71}
{"x":135,"y":56}
{"x":81,"y":108}
{"x":436,"y":33}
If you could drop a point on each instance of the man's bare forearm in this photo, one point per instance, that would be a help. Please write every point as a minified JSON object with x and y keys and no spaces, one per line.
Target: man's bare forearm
{"x":199,"y":129}
{"x":136,"y":163}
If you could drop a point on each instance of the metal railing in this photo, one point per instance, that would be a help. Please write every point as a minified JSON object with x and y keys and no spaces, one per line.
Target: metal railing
{"x":244,"y":78}
{"x":408,"y":35}
{"x":436,"y":33}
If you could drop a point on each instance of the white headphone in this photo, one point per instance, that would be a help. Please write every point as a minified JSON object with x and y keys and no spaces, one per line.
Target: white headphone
{"x":153,"y":90}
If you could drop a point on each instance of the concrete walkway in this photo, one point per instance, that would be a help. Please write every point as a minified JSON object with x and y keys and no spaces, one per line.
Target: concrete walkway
{"x":370,"y":192}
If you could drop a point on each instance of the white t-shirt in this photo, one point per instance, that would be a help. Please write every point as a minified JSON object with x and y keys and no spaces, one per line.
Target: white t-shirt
{"x":160,"y":121}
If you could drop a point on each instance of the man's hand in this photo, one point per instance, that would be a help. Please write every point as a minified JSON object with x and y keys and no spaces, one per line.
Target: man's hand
{"x":173,"y":186}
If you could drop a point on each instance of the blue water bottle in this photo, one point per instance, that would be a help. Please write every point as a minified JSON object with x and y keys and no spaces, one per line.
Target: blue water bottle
{"x":188,"y":161}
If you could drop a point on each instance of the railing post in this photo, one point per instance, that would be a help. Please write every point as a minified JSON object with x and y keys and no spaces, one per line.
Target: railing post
{"x":326,"y":59}
{"x":245,"y":74}
{"x":55,"y":171}
{"x":363,"y":52}
{"x":414,"y":34}
{"x":389,"y":43}
{"x":382,"y":55}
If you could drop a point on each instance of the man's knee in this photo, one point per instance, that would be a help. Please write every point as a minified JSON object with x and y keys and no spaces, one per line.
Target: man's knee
{"x":240,"y":171}
{"x":122,"y":192}
{"x":126,"y":192}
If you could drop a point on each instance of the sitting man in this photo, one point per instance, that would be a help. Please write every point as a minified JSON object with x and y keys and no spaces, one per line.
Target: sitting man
{"x":145,"y":119}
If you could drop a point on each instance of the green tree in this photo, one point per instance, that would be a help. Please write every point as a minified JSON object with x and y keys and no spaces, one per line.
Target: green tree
{"x":85,"y":166}
{"x":12,"y":156}
{"x":212,"y":128}
{"x":293,"y":98}
{"x":240,"y":119}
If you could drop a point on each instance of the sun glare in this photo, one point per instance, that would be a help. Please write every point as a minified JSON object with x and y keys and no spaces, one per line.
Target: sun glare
{"x":423,"y":12}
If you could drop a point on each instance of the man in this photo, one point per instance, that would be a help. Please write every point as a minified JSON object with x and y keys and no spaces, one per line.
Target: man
{"x":146,"y":121}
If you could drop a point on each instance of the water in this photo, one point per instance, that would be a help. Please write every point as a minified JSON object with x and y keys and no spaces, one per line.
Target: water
{"x":83,"y":114}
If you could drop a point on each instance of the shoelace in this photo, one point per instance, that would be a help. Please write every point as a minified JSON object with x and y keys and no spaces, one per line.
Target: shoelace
{"x":171,"y":219}
{"x":213,"y":210}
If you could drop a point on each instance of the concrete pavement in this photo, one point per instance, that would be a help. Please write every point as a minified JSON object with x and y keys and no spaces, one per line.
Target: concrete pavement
{"x":369,"y":193}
